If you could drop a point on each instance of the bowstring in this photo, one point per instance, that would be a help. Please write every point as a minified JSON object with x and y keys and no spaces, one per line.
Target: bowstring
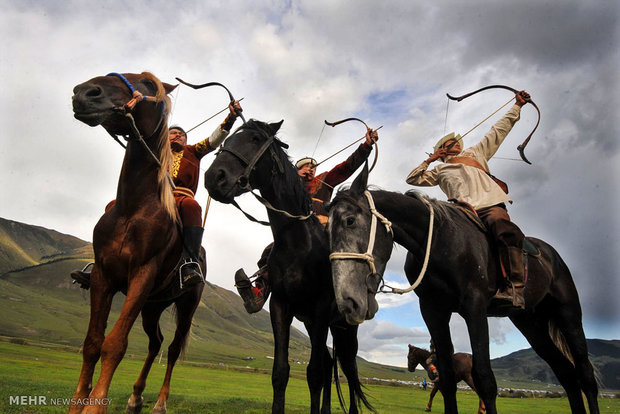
{"x":318,"y":140}
{"x":445,"y":122}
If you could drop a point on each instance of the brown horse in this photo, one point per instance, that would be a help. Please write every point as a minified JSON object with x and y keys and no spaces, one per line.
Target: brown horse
{"x":137,"y":242}
{"x":462,"y":371}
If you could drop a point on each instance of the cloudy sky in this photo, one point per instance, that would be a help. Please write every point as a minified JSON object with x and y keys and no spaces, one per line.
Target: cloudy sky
{"x":390,"y":63}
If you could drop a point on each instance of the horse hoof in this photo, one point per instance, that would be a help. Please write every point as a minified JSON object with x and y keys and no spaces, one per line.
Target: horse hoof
{"x":159,"y":409}
{"x":427,"y":410}
{"x":134,"y":405}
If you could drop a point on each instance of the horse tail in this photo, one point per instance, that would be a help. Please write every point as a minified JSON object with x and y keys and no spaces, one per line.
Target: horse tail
{"x":560,"y":342}
{"x":348,"y":365}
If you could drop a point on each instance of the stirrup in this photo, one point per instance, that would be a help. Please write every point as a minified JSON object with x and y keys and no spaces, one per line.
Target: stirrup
{"x":251,"y":301}
{"x":190,"y":274}
{"x":82,"y":276}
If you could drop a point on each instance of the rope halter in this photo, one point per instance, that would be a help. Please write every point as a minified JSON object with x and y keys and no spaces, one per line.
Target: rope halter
{"x":368,"y":256}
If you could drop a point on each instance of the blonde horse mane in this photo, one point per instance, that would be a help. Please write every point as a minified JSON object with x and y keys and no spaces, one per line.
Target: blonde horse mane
{"x":165,"y":153}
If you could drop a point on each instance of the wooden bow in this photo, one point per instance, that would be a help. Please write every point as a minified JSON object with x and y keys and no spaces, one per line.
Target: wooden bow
{"x":368,"y":129}
{"x":521,"y":147}
{"x":205,"y":85}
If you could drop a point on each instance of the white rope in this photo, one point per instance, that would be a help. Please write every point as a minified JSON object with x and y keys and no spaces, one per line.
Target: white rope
{"x":426,"y":255}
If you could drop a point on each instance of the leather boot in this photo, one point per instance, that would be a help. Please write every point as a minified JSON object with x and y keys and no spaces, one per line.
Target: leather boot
{"x":191,"y":274}
{"x":253,"y":297}
{"x":513,"y":260}
{"x":82,"y":276}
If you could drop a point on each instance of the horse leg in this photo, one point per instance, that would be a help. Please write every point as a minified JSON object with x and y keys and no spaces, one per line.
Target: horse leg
{"x":281,"y":320}
{"x":429,"y":406}
{"x":536,"y":331}
{"x":315,"y":373}
{"x":326,"y":403}
{"x":438,"y":323}
{"x":482,"y":373}
{"x":186,"y":306}
{"x":100,"y":304}
{"x":115,"y":344}
{"x":470,"y":381}
{"x":345,"y":346}
{"x":150,"y":323}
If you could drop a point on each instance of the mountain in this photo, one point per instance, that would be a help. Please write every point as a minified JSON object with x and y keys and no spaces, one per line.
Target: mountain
{"x":526,"y":366}
{"x":39,"y":303}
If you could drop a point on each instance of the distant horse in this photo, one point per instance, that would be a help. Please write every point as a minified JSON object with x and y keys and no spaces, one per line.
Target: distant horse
{"x":462,"y":273}
{"x":462,"y":371}
{"x":299,"y":269}
{"x":137,"y":242}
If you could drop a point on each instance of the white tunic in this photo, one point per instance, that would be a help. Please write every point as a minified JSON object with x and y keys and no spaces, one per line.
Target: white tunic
{"x":466,"y":183}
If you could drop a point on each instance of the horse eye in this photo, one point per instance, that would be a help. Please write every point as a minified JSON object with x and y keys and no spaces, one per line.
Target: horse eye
{"x":350,"y":221}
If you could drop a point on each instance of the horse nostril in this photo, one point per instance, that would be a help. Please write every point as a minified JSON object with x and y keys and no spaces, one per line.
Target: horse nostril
{"x":93,"y":92}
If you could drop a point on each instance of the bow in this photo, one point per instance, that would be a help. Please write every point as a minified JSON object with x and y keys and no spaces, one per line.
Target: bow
{"x":521,"y":147}
{"x":368,"y":129}
{"x":205,"y":85}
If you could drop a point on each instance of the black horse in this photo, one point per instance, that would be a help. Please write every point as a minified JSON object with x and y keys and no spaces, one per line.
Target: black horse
{"x":299,"y":268}
{"x":461,"y":276}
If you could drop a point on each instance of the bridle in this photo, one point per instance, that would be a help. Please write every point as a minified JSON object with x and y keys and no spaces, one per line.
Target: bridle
{"x":243,"y":180}
{"x":373,"y":278}
{"x":368,"y":257}
{"x":127,"y":110}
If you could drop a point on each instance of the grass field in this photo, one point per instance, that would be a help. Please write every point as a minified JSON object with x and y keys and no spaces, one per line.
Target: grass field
{"x":50,"y":372}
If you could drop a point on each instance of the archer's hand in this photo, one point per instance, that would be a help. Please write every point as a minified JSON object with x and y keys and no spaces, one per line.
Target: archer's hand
{"x":440,"y":153}
{"x":235,"y":108}
{"x":522,"y":98}
{"x":371,"y":137}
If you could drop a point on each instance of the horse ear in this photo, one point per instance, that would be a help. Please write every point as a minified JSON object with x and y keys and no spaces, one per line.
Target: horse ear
{"x":275,"y":127}
{"x":361,"y":181}
{"x":168,"y":87}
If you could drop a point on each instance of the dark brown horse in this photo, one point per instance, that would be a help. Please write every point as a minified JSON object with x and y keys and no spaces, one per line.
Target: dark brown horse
{"x":462,"y":371}
{"x":299,"y":270}
{"x":137,"y":243}
{"x":462,"y":275}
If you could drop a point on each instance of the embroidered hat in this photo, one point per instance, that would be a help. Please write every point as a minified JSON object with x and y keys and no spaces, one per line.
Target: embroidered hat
{"x":178,"y":128}
{"x":304,"y":161}
{"x":447,"y":138}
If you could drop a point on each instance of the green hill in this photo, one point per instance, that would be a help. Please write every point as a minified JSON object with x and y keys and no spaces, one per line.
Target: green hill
{"x":39,"y":303}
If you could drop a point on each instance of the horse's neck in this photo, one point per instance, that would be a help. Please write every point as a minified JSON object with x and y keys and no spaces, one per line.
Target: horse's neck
{"x":139,"y":175}
{"x":285,"y":200}
{"x":409,"y":216}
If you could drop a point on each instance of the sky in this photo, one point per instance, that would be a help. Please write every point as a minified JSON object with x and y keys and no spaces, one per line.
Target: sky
{"x":389,"y":63}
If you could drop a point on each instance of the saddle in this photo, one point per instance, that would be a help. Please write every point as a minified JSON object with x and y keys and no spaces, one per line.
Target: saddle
{"x":470,"y":213}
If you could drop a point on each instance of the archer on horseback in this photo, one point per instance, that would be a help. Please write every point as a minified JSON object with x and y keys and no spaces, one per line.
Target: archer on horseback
{"x":465,"y":178}
{"x":185,"y":172}
{"x":320,"y":187}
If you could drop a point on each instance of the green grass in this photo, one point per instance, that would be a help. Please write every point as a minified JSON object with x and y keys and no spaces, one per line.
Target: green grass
{"x":52,"y":371}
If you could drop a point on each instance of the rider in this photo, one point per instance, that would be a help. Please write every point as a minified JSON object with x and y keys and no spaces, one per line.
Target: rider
{"x":320,"y":187}
{"x":185,"y":171}
{"x":464,"y":177}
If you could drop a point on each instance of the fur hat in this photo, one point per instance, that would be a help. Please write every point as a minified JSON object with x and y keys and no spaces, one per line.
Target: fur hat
{"x":306,"y":160}
{"x":177,"y":127}
{"x":447,"y":138}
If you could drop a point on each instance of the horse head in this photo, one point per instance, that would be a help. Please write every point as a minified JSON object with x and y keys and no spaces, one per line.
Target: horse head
{"x":105,"y":101}
{"x":360,"y":250}
{"x":241,"y":164}
{"x":415,"y":356}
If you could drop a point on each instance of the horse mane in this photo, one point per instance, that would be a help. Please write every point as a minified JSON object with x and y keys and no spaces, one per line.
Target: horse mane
{"x":163,"y":147}
{"x":288,"y":182}
{"x":444,"y":211}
